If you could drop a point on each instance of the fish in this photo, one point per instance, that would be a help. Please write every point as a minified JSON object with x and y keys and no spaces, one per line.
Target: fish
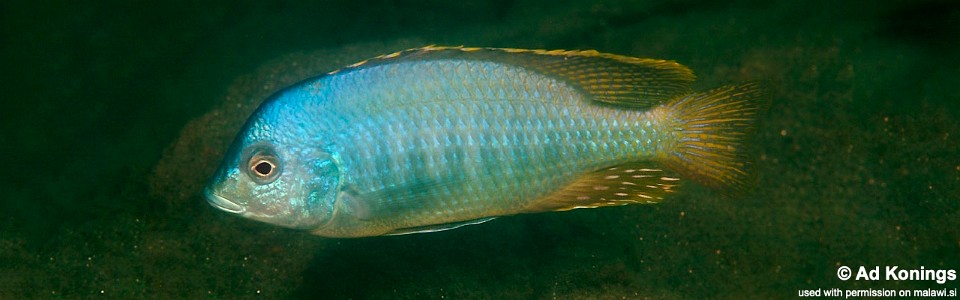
{"x":436,"y":138}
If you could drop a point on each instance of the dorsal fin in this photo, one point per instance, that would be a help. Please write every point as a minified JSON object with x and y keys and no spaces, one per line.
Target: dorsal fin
{"x":608,"y":78}
{"x":638,"y":182}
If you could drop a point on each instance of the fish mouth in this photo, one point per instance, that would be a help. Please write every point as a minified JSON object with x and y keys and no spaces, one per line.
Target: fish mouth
{"x":221,"y":202}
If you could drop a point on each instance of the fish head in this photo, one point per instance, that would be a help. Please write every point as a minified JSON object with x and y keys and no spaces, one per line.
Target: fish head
{"x":269,"y":174}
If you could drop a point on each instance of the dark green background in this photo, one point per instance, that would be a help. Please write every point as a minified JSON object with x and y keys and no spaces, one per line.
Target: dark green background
{"x":858,"y":155}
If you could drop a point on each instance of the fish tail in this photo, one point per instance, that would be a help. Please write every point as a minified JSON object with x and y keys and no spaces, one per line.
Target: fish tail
{"x":713,"y":135}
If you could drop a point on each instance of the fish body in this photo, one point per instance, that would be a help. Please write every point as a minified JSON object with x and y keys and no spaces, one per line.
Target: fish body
{"x":439,"y":137}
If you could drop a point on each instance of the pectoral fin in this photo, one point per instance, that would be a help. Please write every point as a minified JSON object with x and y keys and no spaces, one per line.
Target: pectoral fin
{"x":413,"y":195}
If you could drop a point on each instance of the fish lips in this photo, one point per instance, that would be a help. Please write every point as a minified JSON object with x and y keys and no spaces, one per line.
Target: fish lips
{"x":222,"y":203}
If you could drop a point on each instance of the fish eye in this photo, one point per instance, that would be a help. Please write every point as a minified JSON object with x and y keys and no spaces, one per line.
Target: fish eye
{"x":263,"y":166}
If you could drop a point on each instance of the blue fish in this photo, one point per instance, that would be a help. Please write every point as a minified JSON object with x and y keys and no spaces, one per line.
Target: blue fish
{"x":435,"y":138}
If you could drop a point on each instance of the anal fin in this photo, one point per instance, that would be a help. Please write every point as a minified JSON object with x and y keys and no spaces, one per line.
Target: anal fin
{"x":637,"y":182}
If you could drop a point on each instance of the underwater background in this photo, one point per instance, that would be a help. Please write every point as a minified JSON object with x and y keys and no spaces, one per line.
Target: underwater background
{"x":116,"y":112}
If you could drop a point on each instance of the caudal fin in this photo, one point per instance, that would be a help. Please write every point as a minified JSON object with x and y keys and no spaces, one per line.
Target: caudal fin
{"x":714,"y":129}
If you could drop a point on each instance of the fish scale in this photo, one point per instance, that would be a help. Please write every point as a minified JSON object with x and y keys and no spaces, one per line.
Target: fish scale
{"x":521,"y":150}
